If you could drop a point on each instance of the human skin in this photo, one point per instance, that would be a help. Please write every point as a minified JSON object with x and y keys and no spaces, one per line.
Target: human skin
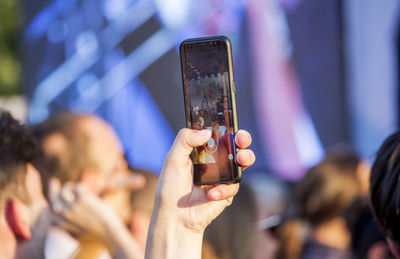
{"x":23,"y":226}
{"x":183,"y":210}
{"x":79,"y":210}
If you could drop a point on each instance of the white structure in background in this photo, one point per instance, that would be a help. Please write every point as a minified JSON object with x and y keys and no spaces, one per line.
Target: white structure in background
{"x":173,"y":12}
{"x":370,"y":35}
{"x":17,"y":105}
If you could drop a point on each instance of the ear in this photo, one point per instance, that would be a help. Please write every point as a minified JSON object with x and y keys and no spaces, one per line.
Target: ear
{"x":17,"y":216}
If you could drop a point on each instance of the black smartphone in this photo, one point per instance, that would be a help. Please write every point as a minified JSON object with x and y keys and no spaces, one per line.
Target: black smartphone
{"x":210,"y":103}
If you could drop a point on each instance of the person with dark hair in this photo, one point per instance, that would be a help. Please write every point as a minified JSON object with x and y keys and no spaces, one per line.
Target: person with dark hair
{"x":324,"y":195}
{"x":181,"y":211}
{"x":367,"y":241}
{"x":385,"y":191}
{"x":24,"y":218}
{"x":24,"y":213}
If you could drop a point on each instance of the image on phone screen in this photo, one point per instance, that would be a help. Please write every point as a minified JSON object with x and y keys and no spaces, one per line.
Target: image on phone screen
{"x":209,"y":106}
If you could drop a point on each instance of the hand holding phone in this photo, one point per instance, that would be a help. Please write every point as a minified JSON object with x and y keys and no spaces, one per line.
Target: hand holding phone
{"x":210,"y":103}
{"x":182,"y":210}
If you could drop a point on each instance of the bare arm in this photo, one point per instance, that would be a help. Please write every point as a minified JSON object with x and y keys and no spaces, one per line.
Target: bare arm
{"x":182,"y":210}
{"x":79,"y":211}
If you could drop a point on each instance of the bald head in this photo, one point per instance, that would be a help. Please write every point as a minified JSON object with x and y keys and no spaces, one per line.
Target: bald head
{"x":73,"y":144}
{"x":64,"y":147}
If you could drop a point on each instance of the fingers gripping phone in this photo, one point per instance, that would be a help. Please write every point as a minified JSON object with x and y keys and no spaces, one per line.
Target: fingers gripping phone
{"x":210,"y":103}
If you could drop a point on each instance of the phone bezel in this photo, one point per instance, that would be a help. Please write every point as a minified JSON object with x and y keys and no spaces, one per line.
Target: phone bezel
{"x":204,"y":40}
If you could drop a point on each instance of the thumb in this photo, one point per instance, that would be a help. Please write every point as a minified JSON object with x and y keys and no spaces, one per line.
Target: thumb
{"x":186,"y":140}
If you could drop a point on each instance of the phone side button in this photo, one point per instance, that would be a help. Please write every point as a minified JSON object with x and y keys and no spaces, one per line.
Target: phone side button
{"x":234,"y":86}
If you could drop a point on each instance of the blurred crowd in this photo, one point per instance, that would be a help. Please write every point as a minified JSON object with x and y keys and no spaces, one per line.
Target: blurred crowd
{"x":101,"y":206}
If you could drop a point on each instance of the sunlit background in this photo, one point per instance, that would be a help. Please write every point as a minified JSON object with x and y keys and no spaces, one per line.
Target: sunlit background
{"x":309,"y":73}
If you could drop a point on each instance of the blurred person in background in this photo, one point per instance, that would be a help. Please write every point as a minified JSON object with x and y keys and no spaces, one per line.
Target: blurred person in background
{"x":271,"y":200}
{"x":385,"y":191}
{"x":367,"y":240}
{"x":24,"y":217}
{"x":84,"y":214}
{"x":141,"y":204}
{"x":77,"y":207}
{"x":140,"y":209}
{"x":24,"y":221}
{"x":78,"y":148}
{"x":181,"y":210}
{"x":292,"y":233}
{"x":323,"y":196}
{"x":232,"y":235}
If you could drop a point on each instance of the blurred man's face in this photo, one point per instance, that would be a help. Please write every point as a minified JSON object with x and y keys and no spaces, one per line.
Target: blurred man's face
{"x":109,"y":166}
{"x":105,"y":152}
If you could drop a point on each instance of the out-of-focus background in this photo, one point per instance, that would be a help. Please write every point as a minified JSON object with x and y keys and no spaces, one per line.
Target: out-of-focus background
{"x":309,"y":73}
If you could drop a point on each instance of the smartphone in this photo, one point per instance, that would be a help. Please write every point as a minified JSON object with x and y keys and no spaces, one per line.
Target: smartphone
{"x":210,"y":103}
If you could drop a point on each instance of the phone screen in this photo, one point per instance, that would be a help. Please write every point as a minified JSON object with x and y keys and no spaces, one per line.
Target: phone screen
{"x":208,"y":101}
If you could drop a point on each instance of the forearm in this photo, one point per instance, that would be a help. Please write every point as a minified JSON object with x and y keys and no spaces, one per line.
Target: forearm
{"x":182,"y":210}
{"x":119,"y":242}
{"x":171,"y":241}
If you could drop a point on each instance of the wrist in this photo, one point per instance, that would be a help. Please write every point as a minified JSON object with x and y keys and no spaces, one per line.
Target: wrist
{"x":113,"y":231}
{"x":169,"y":238}
{"x":119,"y":241}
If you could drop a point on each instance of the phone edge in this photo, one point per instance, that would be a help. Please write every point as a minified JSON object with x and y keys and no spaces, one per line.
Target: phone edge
{"x":239,"y":176}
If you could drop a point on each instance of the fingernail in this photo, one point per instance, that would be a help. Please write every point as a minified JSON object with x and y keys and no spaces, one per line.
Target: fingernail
{"x":248,"y":157}
{"x":204,"y":132}
{"x":247,"y":137}
{"x":245,"y":158}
